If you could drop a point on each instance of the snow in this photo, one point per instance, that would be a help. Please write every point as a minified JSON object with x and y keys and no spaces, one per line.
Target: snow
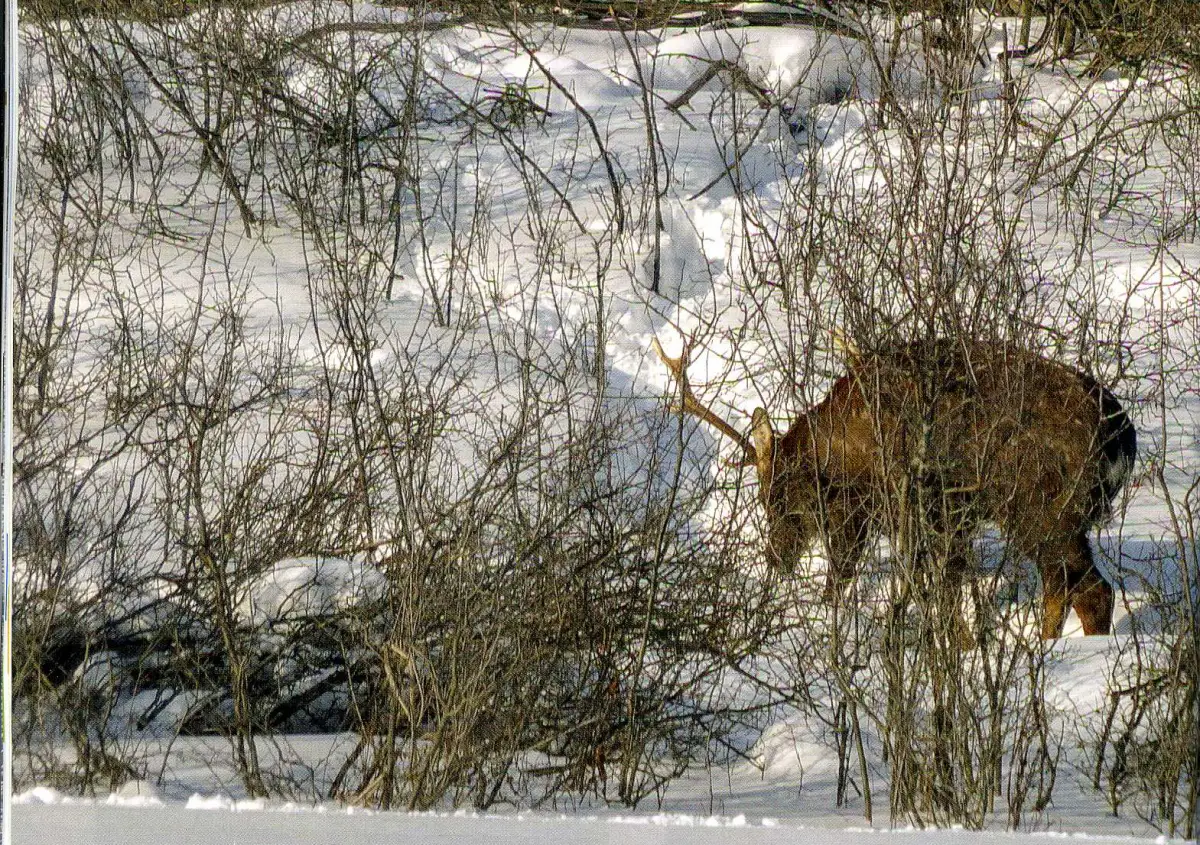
{"x":307,"y":587}
{"x":728,"y":185}
{"x":210,"y":820}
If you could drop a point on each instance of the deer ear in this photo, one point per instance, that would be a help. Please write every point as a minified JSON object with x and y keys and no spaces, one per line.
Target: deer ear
{"x":846,"y":348}
{"x":764,"y":447}
{"x":762,"y":433}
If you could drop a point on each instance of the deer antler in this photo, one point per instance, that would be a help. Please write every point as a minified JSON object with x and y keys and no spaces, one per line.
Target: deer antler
{"x":691,"y":405}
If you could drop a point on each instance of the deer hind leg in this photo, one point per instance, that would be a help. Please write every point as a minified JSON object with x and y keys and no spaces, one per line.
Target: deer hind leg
{"x":1070,"y":577}
{"x":1092,"y":596}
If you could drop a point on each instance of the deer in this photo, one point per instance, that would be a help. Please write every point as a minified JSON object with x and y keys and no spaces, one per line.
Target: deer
{"x":972,"y":433}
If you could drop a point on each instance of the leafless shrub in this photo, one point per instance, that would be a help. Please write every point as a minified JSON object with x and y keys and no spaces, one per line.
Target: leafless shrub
{"x":545,"y":610}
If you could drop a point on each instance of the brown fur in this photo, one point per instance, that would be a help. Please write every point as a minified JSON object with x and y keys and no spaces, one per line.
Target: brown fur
{"x":970,"y":433}
{"x":974,"y":433}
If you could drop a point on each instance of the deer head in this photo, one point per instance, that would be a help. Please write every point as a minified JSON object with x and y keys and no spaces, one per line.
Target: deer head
{"x":786,"y":485}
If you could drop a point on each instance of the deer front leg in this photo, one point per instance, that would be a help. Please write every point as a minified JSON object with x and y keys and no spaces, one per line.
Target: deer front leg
{"x":958,"y":564}
{"x":845,"y":543}
{"x":842,"y":570}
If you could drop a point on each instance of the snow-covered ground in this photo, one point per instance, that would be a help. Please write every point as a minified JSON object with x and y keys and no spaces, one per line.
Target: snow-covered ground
{"x":209,"y":822}
{"x":790,"y":798}
{"x":724,"y":176}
